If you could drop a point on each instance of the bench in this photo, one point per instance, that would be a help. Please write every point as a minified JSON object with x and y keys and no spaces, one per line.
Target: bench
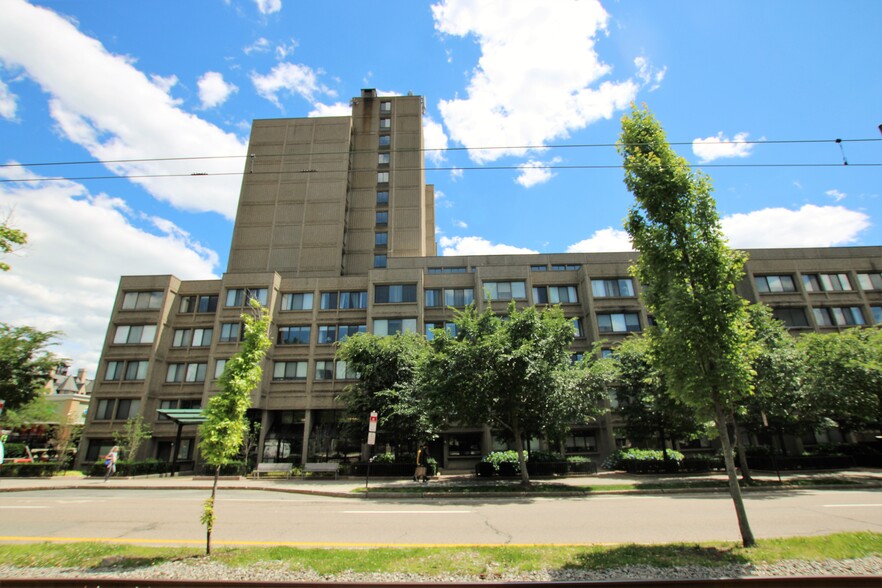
{"x":272,"y":468}
{"x":320,"y":468}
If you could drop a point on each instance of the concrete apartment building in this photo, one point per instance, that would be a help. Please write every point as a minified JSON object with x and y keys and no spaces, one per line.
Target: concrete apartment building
{"x":335,"y":235}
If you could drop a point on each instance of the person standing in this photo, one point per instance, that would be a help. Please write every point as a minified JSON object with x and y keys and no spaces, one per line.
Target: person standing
{"x":422,"y":469}
{"x":110,"y":462}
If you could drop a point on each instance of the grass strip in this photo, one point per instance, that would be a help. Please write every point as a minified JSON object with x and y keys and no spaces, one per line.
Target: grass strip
{"x":433,"y":561}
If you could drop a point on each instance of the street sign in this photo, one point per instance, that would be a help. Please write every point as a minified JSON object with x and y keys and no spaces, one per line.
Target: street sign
{"x":372,"y":422}
{"x":372,"y":438}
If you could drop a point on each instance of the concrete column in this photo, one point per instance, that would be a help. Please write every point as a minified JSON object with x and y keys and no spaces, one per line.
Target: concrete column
{"x":307,"y":427}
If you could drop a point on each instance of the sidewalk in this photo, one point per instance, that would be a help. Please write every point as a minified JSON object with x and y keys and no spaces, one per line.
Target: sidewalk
{"x":346,"y":487}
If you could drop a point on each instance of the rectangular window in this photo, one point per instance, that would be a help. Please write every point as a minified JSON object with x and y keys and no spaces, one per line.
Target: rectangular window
{"x":877,"y":314}
{"x":385,"y":106}
{"x":134,"y":334}
{"x":194,"y":337}
{"x":381,"y":239}
{"x":114,"y":371}
{"x":383,"y":159}
{"x":870,"y":281}
{"x":394,"y":293}
{"x":382,"y":217}
{"x":447,"y":326}
{"x":458,"y":296}
{"x":297,"y":301}
{"x":538,"y":268}
{"x":202,"y":337}
{"x":324,"y":370}
{"x":823,"y":318}
{"x":342,"y":371}
{"x":383,"y":177}
{"x":142,"y":300}
{"x":175,"y":373}
{"x":327,"y":334}
{"x":294,"y":335}
{"x":382,"y":197}
{"x":385,"y":140}
{"x":104,"y":410}
{"x":619,"y":287}
{"x":791,"y":317}
{"x":207,"y":303}
{"x":848,"y":316}
{"x":555,"y":295}
{"x":560,"y":267}
{"x":775,"y":284}
{"x":195,"y":372}
{"x":219,"y":366}
{"x":243,"y":296}
{"x":136,"y":371}
{"x":433,"y":298}
{"x":385,"y":123}
{"x":289,"y":370}
{"x":328,"y":300}
{"x":380,"y":261}
{"x":577,"y":327}
{"x":384,"y":327}
{"x":127,"y":409}
{"x":353,"y":299}
{"x":230,"y":332}
{"x":346,"y":331}
{"x":182,"y":338}
{"x":623,"y":322}
{"x":826,"y":282}
{"x":506,"y":290}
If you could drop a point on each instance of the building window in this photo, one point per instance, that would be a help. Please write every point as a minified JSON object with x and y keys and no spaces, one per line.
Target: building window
{"x":324,"y":370}
{"x":394,"y":293}
{"x":791,"y":317}
{"x":841,"y":317}
{"x":353,"y":299}
{"x":104,"y":409}
{"x":346,"y":331}
{"x":568,"y":267}
{"x":383,"y":177}
{"x":623,"y":322}
{"x":870,"y":281}
{"x":342,"y":371}
{"x":385,"y":140}
{"x":289,"y":370}
{"x":775,"y":284}
{"x":192,"y":337}
{"x":555,"y":295}
{"x":219,"y":366}
{"x":382,"y":197}
{"x":189,"y":372}
{"x":384,"y":327}
{"x":877,"y":314}
{"x":380,"y":261}
{"x":506,"y":290}
{"x":381,"y":239}
{"x":385,"y":123}
{"x":297,"y":301}
{"x":127,"y":408}
{"x":538,"y":268}
{"x":577,"y":327}
{"x":136,"y":371}
{"x":294,"y":335}
{"x":433,"y":297}
{"x":327,"y":334}
{"x":386,"y":107}
{"x":142,"y":300}
{"x":619,"y":287}
{"x":382,"y":217}
{"x":134,"y":334}
{"x":826,"y":282}
{"x":230,"y":332}
{"x":458,"y":296}
{"x":383,"y":159}
{"x":203,"y":303}
{"x":447,"y":326}
{"x":243,"y":296}
{"x":114,"y":371}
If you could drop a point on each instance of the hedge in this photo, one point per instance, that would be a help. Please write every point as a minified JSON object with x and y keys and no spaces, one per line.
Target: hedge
{"x":29,"y":470}
{"x":131,"y":468}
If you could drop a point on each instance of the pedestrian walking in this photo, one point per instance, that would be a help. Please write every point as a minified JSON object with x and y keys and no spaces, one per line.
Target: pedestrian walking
{"x":110,"y":462}
{"x":422,"y":467}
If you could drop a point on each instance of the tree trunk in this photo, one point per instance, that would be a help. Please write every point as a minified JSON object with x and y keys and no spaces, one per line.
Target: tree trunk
{"x":519,"y":449}
{"x":747,"y":538}
{"x":210,"y":525}
{"x":742,"y":450}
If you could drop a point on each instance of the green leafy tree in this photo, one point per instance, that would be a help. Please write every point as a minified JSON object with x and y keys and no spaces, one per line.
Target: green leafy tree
{"x":223,"y":432}
{"x":843,"y":374}
{"x":25,"y":363}
{"x":10,"y":239}
{"x":132,"y":435}
{"x":652,"y":415}
{"x":387,"y":369}
{"x":515,"y":374}
{"x":702,"y":338}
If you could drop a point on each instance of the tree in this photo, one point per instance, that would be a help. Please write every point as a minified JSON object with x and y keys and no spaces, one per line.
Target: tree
{"x":651,"y":413}
{"x":515,"y":374}
{"x":132,"y":435}
{"x":387,"y":369}
{"x":10,"y":238}
{"x":843,"y":375}
{"x":25,"y":364}
{"x":688,"y":274}
{"x":222,"y":433}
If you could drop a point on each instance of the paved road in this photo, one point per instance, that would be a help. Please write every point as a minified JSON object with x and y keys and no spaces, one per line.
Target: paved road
{"x":171,"y":516}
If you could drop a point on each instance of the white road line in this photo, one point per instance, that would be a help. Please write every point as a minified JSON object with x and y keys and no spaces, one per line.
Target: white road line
{"x":387,"y":512}
{"x":851,"y":505}
{"x":24,"y":507}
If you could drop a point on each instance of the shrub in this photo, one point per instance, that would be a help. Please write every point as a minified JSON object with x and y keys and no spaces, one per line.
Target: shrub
{"x":28,"y":470}
{"x":12,"y":450}
{"x":496,"y":458}
{"x":131,"y":468}
{"x":544,"y":457}
{"x":618,"y":460}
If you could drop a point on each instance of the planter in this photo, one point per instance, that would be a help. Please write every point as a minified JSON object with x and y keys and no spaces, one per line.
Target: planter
{"x":484,"y":469}
{"x":547,"y":468}
{"x":509,"y":470}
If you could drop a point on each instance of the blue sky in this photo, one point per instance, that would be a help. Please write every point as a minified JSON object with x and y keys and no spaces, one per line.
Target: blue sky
{"x":741,"y":87}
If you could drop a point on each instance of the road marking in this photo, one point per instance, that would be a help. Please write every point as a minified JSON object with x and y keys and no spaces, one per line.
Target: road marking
{"x":24,"y":507}
{"x":850,"y":505}
{"x":382,"y":512}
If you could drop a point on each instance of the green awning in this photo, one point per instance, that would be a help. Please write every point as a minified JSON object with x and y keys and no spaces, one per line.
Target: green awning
{"x":183,"y":416}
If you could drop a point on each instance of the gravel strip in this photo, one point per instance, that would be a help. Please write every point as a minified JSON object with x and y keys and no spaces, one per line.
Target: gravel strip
{"x":205,"y":569}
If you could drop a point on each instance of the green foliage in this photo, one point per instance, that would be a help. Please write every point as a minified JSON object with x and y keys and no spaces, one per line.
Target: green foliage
{"x":616,"y":460}
{"x":131,"y":468}
{"x":495,"y":458}
{"x":25,"y":364}
{"x":133,"y":433}
{"x":387,"y":368}
{"x":28,"y":470}
{"x":208,"y":517}
{"x":10,"y":239}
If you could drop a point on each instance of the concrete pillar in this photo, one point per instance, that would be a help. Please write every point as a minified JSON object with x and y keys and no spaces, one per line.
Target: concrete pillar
{"x":307,"y":428}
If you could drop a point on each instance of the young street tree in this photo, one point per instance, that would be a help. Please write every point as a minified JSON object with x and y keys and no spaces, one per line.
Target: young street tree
{"x":387,"y":368}
{"x":702,"y":337}
{"x":223,"y":432}
{"x":515,"y":374}
{"x":25,"y":363}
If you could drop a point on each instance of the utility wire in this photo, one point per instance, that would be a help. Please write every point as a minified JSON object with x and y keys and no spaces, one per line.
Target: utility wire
{"x":426,"y":150}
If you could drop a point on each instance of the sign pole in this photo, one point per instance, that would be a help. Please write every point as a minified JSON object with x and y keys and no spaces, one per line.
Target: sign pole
{"x":371,"y":441}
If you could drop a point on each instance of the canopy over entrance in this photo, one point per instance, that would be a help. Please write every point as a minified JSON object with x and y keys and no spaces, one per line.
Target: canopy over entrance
{"x":181,"y":417}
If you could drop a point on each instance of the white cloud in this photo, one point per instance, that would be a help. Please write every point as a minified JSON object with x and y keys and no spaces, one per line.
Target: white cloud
{"x":461,"y":224}
{"x":809,"y":226}
{"x":536,"y":172}
{"x":649,"y":75}
{"x":8,"y":103}
{"x":268,"y":6}
{"x":434,"y":140}
{"x":336,"y":109}
{"x":164,"y":83}
{"x":604,"y":240}
{"x":719,"y":147}
{"x":262,"y":45}
{"x":537,"y":77}
{"x":836,"y":195}
{"x":213,"y":90}
{"x":283,"y":50}
{"x":290,"y":78}
{"x":456,"y":174}
{"x":58,"y":281}
{"x":99,"y":99}
{"x":478,"y":246}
